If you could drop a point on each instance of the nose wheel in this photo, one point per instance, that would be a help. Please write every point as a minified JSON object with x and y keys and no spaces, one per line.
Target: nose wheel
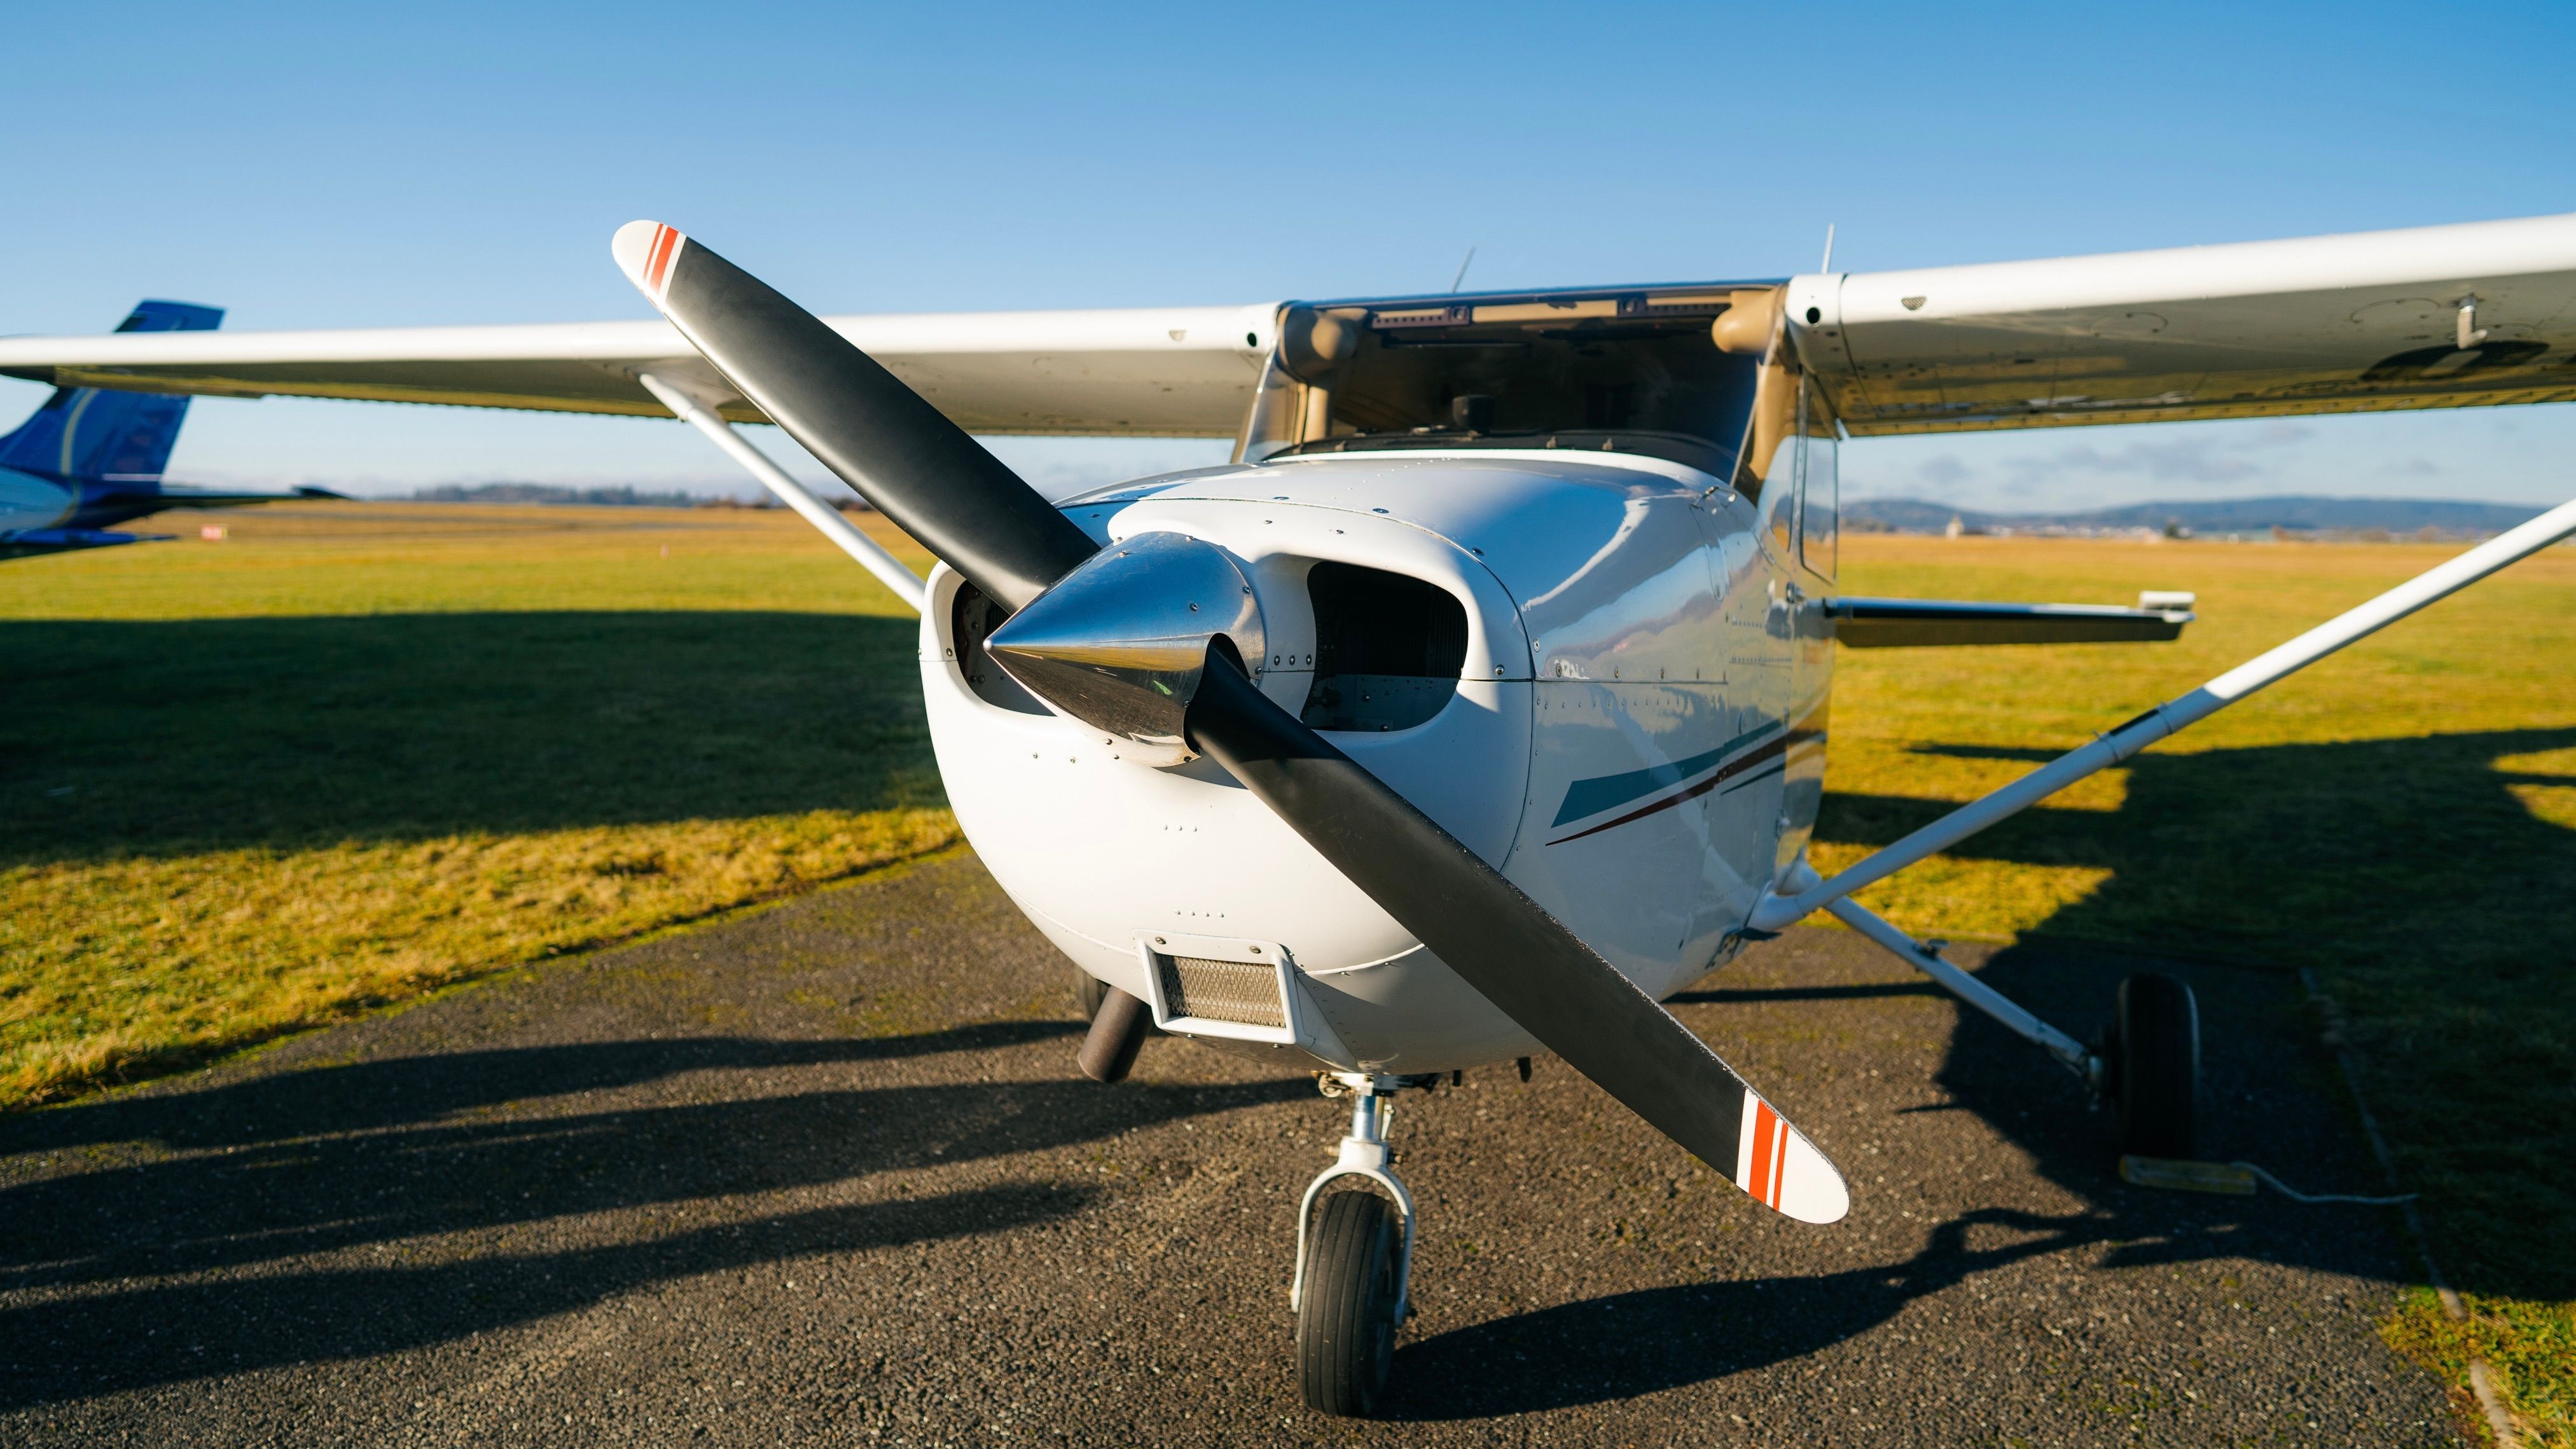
{"x":1346,"y":1318}
{"x":1354,"y":1258}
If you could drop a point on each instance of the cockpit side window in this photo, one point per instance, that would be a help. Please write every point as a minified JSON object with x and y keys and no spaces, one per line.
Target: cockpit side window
{"x":1819,"y":486}
{"x":1788,"y":466}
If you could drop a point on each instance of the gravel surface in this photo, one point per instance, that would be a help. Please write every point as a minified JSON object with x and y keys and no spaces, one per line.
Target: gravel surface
{"x":827,"y":1173}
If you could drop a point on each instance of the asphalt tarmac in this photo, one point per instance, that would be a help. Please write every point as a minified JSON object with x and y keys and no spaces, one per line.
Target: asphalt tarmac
{"x":827,"y":1174}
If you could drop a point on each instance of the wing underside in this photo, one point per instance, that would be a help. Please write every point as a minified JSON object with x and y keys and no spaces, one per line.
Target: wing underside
{"x":1174,"y":371}
{"x":1868,"y":623}
{"x":2451,"y":316}
{"x":31,"y":542}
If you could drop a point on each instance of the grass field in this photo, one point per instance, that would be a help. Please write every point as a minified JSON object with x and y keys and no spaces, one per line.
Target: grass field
{"x":352,"y":754}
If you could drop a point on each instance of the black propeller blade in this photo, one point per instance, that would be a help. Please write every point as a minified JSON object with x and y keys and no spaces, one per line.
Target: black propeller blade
{"x":901,"y":454}
{"x":965,"y":506}
{"x":875,"y":434}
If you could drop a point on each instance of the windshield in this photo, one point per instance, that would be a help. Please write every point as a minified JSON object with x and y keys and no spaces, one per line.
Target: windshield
{"x":1635,"y":371}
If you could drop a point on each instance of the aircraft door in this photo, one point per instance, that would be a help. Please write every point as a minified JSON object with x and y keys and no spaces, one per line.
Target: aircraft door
{"x":1751,"y":661}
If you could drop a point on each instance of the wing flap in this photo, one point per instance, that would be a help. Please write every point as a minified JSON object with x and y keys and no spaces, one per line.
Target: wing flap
{"x":2451,"y":316}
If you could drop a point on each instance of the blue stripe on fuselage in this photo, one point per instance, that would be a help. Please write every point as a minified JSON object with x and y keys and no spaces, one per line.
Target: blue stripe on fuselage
{"x":1608,"y":792}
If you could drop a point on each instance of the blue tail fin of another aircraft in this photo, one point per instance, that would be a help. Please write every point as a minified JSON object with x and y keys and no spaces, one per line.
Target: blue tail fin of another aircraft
{"x":91,"y":434}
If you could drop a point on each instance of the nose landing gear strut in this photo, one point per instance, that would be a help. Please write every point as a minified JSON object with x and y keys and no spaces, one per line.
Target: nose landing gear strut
{"x":1354,"y":1256}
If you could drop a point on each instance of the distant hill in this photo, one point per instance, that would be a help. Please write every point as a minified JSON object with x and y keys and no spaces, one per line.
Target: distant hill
{"x":619,"y":497}
{"x":2296,"y":514}
{"x":1905,"y":515}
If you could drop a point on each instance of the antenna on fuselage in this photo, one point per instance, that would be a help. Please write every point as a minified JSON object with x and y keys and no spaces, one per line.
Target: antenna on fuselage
{"x":1827,"y":264}
{"x":1460,"y":280}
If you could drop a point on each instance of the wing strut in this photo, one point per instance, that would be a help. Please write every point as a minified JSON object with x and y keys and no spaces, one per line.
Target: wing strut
{"x":2011,"y":1015}
{"x":1777,"y":912}
{"x":871,"y":556}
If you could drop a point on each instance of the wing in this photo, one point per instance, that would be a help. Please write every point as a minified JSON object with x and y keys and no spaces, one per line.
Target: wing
{"x":184,"y":497}
{"x":1864,"y":623}
{"x":1170,"y":372}
{"x":2443,"y":316}
{"x":30,"y":542}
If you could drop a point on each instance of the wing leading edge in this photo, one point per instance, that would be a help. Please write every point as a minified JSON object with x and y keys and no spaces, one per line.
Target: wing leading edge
{"x":2445,"y":316}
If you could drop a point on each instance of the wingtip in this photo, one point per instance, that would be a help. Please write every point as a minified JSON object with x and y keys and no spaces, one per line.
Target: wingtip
{"x":645,"y":251}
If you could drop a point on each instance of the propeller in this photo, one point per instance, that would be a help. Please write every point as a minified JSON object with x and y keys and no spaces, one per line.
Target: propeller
{"x":875,"y":434}
{"x":1140,"y":639}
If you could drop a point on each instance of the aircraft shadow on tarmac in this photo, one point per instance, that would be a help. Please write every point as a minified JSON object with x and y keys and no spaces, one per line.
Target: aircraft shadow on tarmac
{"x":2409,"y":872}
{"x":2261,"y":1081}
{"x":161,"y":1335}
{"x":340,"y":1157}
{"x":2388,"y":851}
{"x":208,"y":734}
{"x":1619,"y":1347}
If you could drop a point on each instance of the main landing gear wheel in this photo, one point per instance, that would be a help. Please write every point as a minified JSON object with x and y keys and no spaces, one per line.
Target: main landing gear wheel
{"x":2151,"y":1066}
{"x":1346,"y":1319}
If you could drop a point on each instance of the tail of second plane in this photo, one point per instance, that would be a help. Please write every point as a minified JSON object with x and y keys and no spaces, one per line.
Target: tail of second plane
{"x":88,"y":435}
{"x":91,"y":458}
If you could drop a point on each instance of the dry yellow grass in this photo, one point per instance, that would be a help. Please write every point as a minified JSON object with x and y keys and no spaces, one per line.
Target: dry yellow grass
{"x":1942,"y":726}
{"x":353,"y":754}
{"x":128,"y":965}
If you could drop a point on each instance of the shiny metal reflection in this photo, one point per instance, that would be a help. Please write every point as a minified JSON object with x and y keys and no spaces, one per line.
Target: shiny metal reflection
{"x":1120,"y":642}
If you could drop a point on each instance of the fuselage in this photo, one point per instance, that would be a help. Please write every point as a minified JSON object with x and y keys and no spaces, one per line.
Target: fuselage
{"x":28,"y":500}
{"x":1604,"y":676}
{"x":37,"y":500}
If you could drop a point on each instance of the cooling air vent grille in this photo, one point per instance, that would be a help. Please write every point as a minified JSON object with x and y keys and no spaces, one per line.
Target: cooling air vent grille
{"x":1243,"y":992}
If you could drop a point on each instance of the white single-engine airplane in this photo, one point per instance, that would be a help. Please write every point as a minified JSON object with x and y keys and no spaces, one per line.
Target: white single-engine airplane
{"x":1480,"y":703}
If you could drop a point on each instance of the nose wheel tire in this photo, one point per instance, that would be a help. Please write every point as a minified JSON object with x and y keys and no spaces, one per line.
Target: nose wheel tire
{"x":2151,"y":1056}
{"x":1346,"y":1317}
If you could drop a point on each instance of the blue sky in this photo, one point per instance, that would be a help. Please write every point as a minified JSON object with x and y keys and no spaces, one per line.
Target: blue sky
{"x":364,"y":166}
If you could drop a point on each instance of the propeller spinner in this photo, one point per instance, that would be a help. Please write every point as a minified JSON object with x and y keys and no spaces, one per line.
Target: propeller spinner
{"x":1145,"y":640}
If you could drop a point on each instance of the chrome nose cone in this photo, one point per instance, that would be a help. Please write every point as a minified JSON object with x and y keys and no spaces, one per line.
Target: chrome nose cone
{"x":1120,"y":642}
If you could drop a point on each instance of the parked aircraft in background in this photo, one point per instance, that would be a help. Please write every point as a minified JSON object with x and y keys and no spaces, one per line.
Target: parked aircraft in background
{"x":1480,"y":703}
{"x":91,"y":458}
